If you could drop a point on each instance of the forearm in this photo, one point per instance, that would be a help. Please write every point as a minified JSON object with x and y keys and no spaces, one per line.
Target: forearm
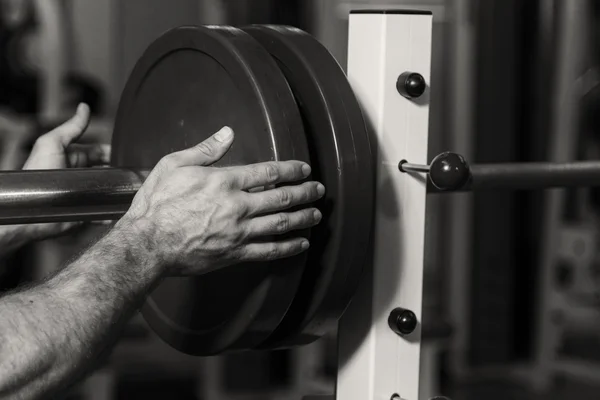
{"x":52,"y":333}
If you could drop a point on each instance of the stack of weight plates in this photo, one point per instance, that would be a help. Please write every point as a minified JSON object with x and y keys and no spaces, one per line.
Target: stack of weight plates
{"x":286,"y":97}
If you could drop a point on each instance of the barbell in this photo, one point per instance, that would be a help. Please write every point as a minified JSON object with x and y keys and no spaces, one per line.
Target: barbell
{"x":286,"y":97}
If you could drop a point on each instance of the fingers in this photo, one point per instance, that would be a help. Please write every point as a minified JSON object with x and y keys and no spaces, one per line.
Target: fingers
{"x":282,"y":198}
{"x":274,"y":250}
{"x":278,"y":224}
{"x":269,"y":173}
{"x":72,"y":130}
{"x":82,"y":156}
{"x":204,"y":154}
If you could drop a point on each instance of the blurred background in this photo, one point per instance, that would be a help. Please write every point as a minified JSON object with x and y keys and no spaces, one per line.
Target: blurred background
{"x":512,"y":293}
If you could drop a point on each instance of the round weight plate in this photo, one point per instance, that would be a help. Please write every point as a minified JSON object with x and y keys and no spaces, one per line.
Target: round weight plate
{"x":187,"y":85}
{"x":341,"y":158}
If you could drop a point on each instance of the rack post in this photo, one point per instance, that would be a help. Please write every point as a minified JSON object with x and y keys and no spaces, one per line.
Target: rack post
{"x":375,"y":363}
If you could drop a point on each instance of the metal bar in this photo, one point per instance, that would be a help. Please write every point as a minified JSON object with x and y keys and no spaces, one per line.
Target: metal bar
{"x":531,"y":176}
{"x":407,"y":167}
{"x":90,"y":194}
{"x":535,"y":175}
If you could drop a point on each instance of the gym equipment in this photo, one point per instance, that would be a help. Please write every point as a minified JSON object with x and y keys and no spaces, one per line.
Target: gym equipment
{"x":190,"y":82}
{"x":187,"y":85}
{"x":341,"y":159}
{"x":379,"y":340}
{"x":451,"y":172}
{"x":286,"y":98}
{"x":86,"y":194}
{"x":327,"y":132}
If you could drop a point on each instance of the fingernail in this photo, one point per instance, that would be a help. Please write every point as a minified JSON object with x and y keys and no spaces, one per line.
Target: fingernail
{"x":305,"y":245}
{"x":306,"y":170}
{"x":317,"y":215}
{"x":320,"y":189}
{"x":224,"y":134}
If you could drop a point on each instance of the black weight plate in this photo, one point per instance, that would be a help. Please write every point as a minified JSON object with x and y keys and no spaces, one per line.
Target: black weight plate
{"x":341,"y":158}
{"x":187,"y":85}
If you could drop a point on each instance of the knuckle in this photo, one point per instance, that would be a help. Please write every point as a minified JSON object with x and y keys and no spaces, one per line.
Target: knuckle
{"x":310,"y":216}
{"x":285,"y":198}
{"x":273,"y":252}
{"x":222,"y":179}
{"x":239,"y":236}
{"x":237,"y":206}
{"x":271,"y":172}
{"x":283,"y":223}
{"x":167,"y":162}
{"x":43,"y":141}
{"x":215,"y":176}
{"x":241,"y":209}
{"x":205,"y":148}
{"x":255,"y":174}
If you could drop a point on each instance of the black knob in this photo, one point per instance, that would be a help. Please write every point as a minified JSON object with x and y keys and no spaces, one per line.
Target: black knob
{"x":403,"y":322}
{"x":411,"y":85}
{"x":449,"y":171}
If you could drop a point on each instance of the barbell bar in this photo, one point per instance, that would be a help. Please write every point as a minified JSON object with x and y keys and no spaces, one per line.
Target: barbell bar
{"x":67,"y":195}
{"x":95,"y":194}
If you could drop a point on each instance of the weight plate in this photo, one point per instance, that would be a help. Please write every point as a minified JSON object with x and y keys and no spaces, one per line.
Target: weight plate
{"x":341,"y":158}
{"x":187,"y":85}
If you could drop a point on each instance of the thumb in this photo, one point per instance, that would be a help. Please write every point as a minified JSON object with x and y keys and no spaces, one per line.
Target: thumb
{"x":209,"y":151}
{"x":72,"y":130}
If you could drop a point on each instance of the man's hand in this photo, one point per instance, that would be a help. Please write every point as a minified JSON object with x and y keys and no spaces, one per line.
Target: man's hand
{"x":188,"y":218}
{"x":55,"y":150}
{"x":200,"y":218}
{"x":58,"y":150}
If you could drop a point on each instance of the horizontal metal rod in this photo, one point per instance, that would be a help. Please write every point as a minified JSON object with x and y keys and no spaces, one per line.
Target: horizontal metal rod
{"x":90,"y":194}
{"x":95,"y":194}
{"x":531,"y":176}
{"x":408,"y":167}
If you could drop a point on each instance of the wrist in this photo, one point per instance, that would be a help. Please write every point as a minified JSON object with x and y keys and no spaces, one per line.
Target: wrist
{"x":138,"y":236}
